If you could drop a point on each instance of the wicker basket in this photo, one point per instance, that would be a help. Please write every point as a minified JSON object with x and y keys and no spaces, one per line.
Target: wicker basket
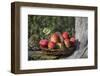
{"x":59,"y":52}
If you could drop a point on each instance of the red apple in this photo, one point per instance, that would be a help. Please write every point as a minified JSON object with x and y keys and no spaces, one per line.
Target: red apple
{"x":43,"y":43}
{"x":67,"y":43}
{"x":51,"y":45}
{"x":72,"y":40}
{"x":65,"y":35}
{"x":54,"y":38}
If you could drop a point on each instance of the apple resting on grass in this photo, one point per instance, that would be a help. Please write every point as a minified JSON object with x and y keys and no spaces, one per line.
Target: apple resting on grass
{"x":72,"y":40}
{"x":54,"y":38}
{"x":43,"y":43}
{"x":51,"y":45}
{"x":67,"y":43}
{"x":65,"y":35}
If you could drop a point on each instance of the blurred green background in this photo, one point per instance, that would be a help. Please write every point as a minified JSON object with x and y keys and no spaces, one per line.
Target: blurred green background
{"x":38,"y":25}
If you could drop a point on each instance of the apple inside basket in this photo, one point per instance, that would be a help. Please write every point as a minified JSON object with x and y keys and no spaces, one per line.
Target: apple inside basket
{"x":58,"y":44}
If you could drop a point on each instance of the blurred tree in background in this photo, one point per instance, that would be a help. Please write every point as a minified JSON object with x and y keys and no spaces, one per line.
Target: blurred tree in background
{"x":37,"y":23}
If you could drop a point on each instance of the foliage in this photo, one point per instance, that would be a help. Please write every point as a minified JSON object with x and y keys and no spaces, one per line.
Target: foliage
{"x":37,"y":23}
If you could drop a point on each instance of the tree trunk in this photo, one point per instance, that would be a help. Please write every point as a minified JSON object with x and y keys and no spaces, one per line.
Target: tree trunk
{"x":81,"y":34}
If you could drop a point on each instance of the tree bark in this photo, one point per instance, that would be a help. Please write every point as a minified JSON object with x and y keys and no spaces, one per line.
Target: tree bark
{"x":81,"y":34}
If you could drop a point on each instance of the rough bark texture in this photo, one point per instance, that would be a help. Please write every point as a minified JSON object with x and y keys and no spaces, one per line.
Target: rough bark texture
{"x":81,"y":30}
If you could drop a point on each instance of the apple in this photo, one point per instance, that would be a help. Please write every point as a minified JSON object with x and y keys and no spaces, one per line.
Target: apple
{"x":54,"y":38}
{"x":60,"y":45}
{"x":65,"y":35}
{"x":43,"y":43}
{"x":72,"y":40}
{"x":51,"y":45}
{"x":67,"y":43}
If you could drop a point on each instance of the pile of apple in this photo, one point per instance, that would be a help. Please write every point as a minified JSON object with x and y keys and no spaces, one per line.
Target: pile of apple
{"x":57,"y":39}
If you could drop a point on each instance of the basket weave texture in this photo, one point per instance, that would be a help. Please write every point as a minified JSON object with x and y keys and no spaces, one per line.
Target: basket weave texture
{"x":58,"y":52}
